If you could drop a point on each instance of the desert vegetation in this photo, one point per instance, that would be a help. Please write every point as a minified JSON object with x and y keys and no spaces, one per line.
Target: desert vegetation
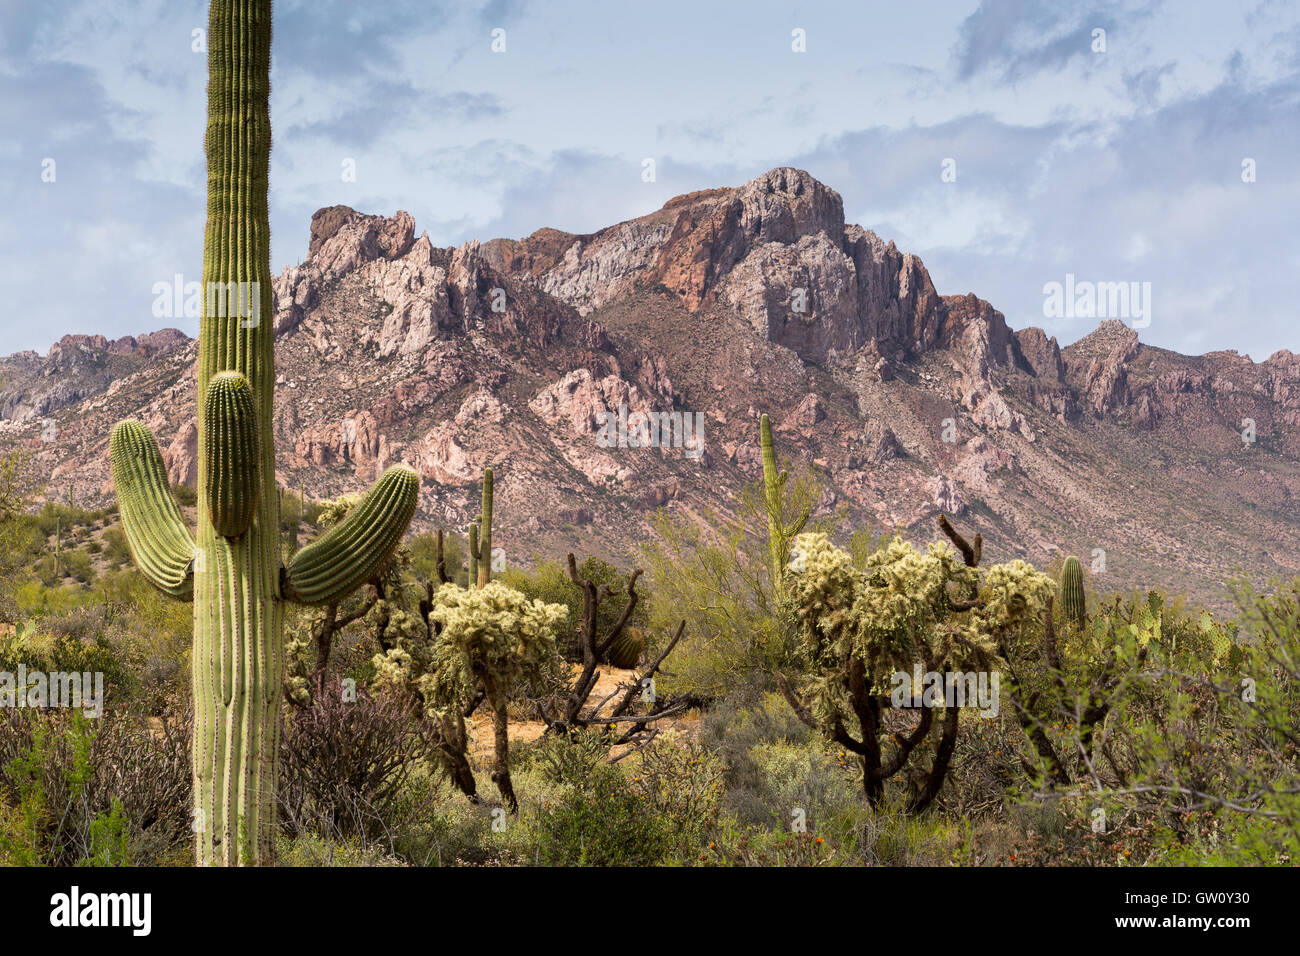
{"x":733,"y":704}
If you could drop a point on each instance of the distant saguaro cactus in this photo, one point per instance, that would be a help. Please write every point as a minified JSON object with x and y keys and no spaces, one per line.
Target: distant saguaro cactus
{"x":779,"y":536}
{"x":480,"y":538}
{"x":1073,"y":604}
{"x":232,"y":572}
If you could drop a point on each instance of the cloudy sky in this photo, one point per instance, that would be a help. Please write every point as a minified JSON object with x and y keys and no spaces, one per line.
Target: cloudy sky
{"x":1119,"y":164}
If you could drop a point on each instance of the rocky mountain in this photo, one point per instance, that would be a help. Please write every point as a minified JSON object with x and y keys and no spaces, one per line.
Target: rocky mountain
{"x":723,"y":304}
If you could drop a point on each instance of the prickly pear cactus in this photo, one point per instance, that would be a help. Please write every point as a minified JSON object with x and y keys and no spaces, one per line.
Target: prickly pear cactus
{"x":231,"y":568}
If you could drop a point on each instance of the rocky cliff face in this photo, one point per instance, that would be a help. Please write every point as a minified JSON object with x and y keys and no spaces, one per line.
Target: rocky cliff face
{"x":774,"y":252}
{"x":605,"y":376}
{"x":76,"y":367}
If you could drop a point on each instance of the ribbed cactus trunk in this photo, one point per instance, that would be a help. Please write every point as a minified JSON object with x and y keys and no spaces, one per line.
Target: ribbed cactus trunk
{"x":238,"y":659}
{"x":232,"y":569}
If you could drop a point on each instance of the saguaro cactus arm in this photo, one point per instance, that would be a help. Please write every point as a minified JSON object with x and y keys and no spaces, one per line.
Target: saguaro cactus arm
{"x":473,"y":551}
{"x":350,"y":553}
{"x":161,"y":545}
{"x":234,"y":454}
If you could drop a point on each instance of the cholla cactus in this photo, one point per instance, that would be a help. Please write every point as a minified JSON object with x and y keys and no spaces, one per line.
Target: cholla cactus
{"x":232,"y":569}
{"x":490,"y":637}
{"x":858,"y":626}
{"x":1073,"y":604}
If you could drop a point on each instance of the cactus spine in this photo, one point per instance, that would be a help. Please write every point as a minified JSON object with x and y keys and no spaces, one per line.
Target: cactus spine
{"x":232,"y":569}
{"x":1073,"y":605}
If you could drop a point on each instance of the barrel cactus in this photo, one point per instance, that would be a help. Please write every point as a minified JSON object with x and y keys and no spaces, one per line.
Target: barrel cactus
{"x":231,"y":568}
{"x":626,"y":650}
{"x":1073,"y":605}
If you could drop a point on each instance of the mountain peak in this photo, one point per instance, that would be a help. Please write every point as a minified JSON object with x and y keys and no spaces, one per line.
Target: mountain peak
{"x":785,"y":203}
{"x":390,"y":236}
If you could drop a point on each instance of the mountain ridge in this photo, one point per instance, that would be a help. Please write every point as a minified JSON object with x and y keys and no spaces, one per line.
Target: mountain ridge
{"x":725,"y":302}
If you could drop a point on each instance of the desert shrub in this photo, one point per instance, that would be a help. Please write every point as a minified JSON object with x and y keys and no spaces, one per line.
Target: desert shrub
{"x":74,"y":641}
{"x":452,"y":831}
{"x":77,"y":565}
{"x":423,"y":550}
{"x":344,"y":763}
{"x":683,"y":783}
{"x":986,"y":767}
{"x":714,"y":569}
{"x":568,"y":759}
{"x":775,"y":765}
{"x":186,"y":495}
{"x":312,"y":849}
{"x":604,"y":821}
{"x":717,"y":579}
{"x":113,"y":790}
{"x":856,"y":835}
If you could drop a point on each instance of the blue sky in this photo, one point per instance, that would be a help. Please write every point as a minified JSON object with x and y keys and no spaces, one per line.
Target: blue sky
{"x":1122,"y":165}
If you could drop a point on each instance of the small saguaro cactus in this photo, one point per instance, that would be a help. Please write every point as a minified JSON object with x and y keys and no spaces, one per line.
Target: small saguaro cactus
{"x":1073,"y":604}
{"x":231,"y":570}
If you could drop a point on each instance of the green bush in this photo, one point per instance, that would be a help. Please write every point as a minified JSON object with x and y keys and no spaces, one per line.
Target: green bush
{"x":186,"y":495}
{"x":777,"y":765}
{"x":605,"y":822}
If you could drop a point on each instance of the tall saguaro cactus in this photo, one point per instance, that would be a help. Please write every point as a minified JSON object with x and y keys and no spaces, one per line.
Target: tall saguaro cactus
{"x":232,"y":569}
